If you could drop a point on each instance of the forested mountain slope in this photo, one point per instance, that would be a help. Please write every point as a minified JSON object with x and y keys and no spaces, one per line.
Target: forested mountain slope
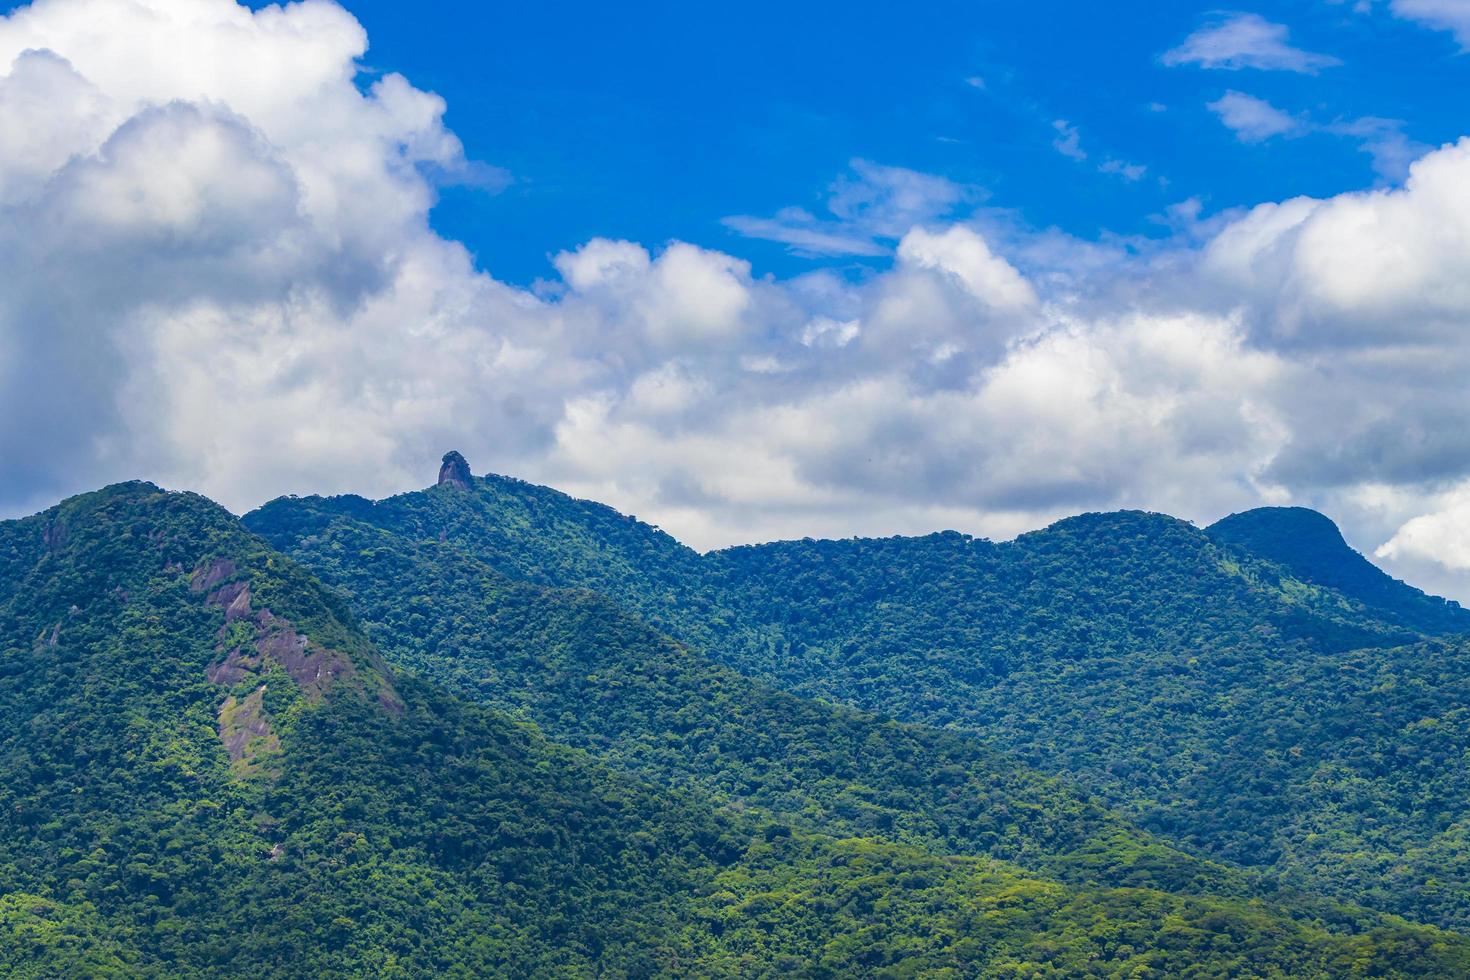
{"x":207,"y":770}
{"x":1311,"y":549}
{"x":593,"y":676}
{"x":1266,"y":719}
{"x":206,"y":763}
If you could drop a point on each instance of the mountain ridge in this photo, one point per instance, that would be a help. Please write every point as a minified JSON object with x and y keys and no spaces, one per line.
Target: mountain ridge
{"x":1165,"y":670}
{"x":437,"y":837}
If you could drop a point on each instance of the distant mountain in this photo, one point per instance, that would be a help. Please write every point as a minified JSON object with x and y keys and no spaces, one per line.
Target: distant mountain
{"x":206,"y":769}
{"x":1312,"y":550}
{"x":1261,"y":703}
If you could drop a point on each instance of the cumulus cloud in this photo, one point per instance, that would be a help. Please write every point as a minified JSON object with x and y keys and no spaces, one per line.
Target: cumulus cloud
{"x":1236,"y":41}
{"x":963,"y":254}
{"x":1441,"y":536}
{"x":687,"y":297}
{"x":218,"y":272}
{"x":189,"y":189}
{"x":1386,"y":267}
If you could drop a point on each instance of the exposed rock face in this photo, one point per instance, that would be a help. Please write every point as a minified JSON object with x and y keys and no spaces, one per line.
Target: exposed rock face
{"x":251,"y":642}
{"x":54,"y":537}
{"x":208,"y":576}
{"x":455,"y":471}
{"x":313,"y":668}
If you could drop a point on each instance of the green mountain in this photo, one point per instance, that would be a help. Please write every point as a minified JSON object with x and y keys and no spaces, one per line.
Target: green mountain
{"x":1311,"y":549}
{"x":207,"y":769}
{"x":211,"y":771}
{"x":1270,"y":705}
{"x":593,"y":676}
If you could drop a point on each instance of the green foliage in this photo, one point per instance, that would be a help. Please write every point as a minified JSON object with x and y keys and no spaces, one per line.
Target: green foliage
{"x":594,"y":677}
{"x":901,"y":914}
{"x":397,"y":830}
{"x":1309,"y":547}
{"x":43,"y":938}
{"x":1258,"y":694}
{"x":391,"y":840}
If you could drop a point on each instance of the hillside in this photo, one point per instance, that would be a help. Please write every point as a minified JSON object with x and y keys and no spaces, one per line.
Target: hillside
{"x":1311,"y":549}
{"x":209,"y":765}
{"x":208,"y":770}
{"x":595,"y":677}
{"x":1221,"y":701}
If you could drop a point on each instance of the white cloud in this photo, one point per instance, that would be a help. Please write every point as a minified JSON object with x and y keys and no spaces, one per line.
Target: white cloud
{"x":1253,"y":119}
{"x":805,"y":233}
{"x":888,"y":201}
{"x":1384,"y":141}
{"x":217,"y":271}
{"x":1128,"y":171}
{"x":1441,"y":15}
{"x":1385,"y":266}
{"x":697,"y":294}
{"x":825,"y":330}
{"x":963,"y":254}
{"x":601,"y":262}
{"x":1444,"y":15}
{"x":38,"y":138}
{"x":687,"y":297}
{"x":1068,"y":142}
{"x":1441,"y":536}
{"x":1246,"y":41}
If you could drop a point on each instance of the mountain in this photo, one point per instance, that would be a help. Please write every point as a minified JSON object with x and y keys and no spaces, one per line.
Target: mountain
{"x":206,"y":762}
{"x":1311,"y":549}
{"x":1260,"y":703}
{"x":207,"y":769}
{"x":591,"y":675}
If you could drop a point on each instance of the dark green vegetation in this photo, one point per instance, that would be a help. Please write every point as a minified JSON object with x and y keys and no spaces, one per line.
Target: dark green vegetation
{"x":385,"y":824}
{"x":1309,"y":547}
{"x":392,"y":829}
{"x":592,"y":676}
{"x":1256,"y":693}
{"x":207,"y":769}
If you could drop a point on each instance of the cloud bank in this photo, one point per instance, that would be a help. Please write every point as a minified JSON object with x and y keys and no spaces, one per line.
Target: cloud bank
{"x":219,"y":273}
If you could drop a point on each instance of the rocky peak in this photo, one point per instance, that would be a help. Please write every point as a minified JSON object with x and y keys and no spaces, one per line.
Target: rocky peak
{"x":455,"y":471}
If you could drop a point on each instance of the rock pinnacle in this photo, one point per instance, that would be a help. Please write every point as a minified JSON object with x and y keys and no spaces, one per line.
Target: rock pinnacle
{"x":455,"y":471}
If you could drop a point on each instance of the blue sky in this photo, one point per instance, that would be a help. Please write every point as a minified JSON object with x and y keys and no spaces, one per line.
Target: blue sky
{"x":655,"y":121}
{"x":752,"y":273}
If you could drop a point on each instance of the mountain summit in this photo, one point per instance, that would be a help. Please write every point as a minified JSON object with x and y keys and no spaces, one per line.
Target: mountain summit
{"x":455,"y":470}
{"x":1310,"y":547}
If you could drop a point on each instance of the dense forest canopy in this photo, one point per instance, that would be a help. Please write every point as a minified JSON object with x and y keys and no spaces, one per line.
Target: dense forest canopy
{"x":493,"y":731}
{"x":1291,"y":710}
